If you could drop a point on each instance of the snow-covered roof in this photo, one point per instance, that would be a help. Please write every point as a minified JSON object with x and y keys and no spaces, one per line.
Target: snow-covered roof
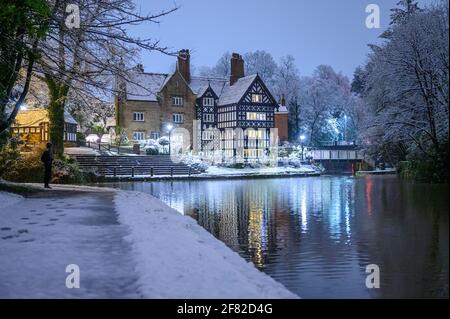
{"x":146,"y":86}
{"x":233,"y":93}
{"x":33,"y":117}
{"x":200,"y":84}
{"x":69,"y":118}
{"x":281,"y":109}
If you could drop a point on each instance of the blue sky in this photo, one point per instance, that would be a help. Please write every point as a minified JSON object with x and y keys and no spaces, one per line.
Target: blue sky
{"x":313,"y":31}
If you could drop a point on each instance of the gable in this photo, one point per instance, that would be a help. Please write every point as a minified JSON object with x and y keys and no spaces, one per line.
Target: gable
{"x":209,"y":93}
{"x":176,"y":85}
{"x":258,"y":87}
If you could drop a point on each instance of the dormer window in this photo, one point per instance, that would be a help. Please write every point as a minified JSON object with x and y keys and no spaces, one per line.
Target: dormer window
{"x":257,"y":98}
{"x":177,"y":101}
{"x":208,"y":101}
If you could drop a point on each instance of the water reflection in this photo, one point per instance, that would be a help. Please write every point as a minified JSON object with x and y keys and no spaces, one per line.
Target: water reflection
{"x":317,"y":235}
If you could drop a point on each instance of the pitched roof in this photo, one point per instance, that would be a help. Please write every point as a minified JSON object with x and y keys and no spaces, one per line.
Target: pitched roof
{"x":29,"y":118}
{"x":146,"y":86}
{"x":33,"y":117}
{"x":232,"y":94}
{"x":200,"y":84}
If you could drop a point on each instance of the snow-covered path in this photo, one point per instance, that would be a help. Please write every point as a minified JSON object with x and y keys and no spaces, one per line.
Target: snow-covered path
{"x":41,"y":235}
{"x":126,"y":244}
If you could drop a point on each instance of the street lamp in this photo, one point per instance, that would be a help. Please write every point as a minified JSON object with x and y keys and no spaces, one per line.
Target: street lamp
{"x":302,"y":139}
{"x":169,"y":128}
{"x":345,"y":128}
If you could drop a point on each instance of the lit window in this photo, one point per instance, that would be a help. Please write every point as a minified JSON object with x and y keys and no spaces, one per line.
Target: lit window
{"x":138,"y":116}
{"x":177,"y":118}
{"x":138,"y":136}
{"x":208,"y":101}
{"x":257,"y":98}
{"x":254,"y":116}
{"x":177,"y":101}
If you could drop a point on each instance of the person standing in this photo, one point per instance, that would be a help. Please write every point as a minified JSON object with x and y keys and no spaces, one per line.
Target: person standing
{"x":47,"y":159}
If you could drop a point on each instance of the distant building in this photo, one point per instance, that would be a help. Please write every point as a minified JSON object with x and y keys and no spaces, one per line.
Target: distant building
{"x":33,"y":126}
{"x":151,"y":101}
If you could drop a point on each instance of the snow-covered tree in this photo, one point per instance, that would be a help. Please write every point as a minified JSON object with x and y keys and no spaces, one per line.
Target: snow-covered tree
{"x":263,"y":63}
{"x":407,"y":83}
{"x":220,"y":70}
{"x":83,"y":59}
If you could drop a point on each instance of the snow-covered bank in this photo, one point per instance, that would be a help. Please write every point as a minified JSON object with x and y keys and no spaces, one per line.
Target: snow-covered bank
{"x":8,"y":199}
{"x":224,"y":171}
{"x":177,"y":258}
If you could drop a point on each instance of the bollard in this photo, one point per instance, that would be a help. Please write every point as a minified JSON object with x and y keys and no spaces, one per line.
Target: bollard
{"x":151,"y":171}
{"x":189,"y":171}
{"x":132,"y":172}
{"x":115,"y":172}
{"x":171,"y":171}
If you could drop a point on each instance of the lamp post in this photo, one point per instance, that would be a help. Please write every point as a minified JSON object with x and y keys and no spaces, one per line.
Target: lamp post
{"x":302,"y":139}
{"x":169,"y":128}
{"x":345,"y":128}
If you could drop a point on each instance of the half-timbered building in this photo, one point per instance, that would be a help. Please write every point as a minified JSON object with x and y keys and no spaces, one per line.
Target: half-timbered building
{"x":242,"y":104}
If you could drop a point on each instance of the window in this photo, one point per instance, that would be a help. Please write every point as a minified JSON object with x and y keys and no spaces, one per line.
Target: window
{"x":254,"y":116}
{"x":208,"y":117}
{"x":257,"y":98}
{"x":177,"y":101}
{"x":208,"y":101}
{"x":177,"y":118}
{"x":138,"y":116}
{"x":138,"y":136}
{"x":154,"y":135}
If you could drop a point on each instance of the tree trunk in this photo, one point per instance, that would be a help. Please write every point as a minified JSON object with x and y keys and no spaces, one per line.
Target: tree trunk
{"x":58,"y":94}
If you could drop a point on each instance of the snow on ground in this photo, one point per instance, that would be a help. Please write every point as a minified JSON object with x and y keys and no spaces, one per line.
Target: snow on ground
{"x":8,"y":199}
{"x":127,"y":244}
{"x":42,"y":234}
{"x":214,"y":170}
{"x":177,"y":258}
{"x":80,"y":151}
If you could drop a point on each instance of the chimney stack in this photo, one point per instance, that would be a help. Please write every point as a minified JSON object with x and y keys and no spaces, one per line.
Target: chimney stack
{"x":183,"y":64}
{"x":237,"y":68}
{"x":283,"y":100}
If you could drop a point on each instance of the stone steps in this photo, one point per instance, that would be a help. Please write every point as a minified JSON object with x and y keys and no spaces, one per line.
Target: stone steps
{"x":133,"y":165}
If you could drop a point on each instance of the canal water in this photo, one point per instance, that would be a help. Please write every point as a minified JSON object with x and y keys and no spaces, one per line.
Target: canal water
{"x":317,"y":235}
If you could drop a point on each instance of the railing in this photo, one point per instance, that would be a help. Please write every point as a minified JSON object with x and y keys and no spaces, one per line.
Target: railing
{"x":107,"y":147}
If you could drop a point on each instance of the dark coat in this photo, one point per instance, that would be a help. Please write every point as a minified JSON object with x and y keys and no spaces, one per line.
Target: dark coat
{"x":47,"y":158}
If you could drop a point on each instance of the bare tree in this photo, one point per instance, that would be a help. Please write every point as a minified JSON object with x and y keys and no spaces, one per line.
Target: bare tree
{"x":84,"y":59}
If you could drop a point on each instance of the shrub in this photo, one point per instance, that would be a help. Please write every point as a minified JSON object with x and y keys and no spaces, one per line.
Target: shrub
{"x":28,"y":168}
{"x":421,"y":171}
{"x":151,"y":150}
{"x":200,"y":166}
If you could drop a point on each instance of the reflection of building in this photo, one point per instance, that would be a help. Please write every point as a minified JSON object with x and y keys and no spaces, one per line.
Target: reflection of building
{"x":32,"y":126}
